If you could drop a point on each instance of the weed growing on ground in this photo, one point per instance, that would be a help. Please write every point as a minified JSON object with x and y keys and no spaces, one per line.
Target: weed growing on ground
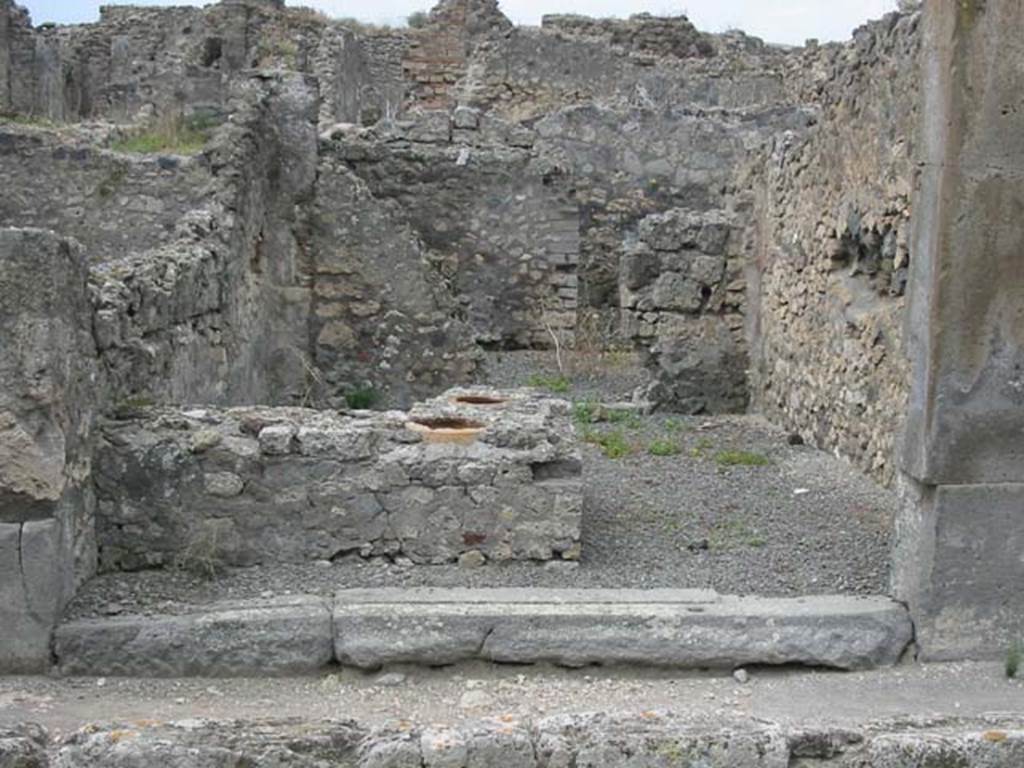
{"x":362,"y":399}
{"x":673,"y":425}
{"x":1013,"y":659}
{"x":741,"y":459}
{"x":703,"y":446}
{"x":627,"y":419}
{"x":557,"y":384}
{"x":663,"y":448}
{"x":613,"y":444}
{"x":585,"y":412}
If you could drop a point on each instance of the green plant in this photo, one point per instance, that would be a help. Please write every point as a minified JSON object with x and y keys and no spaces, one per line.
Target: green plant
{"x":673,"y":425}
{"x":585,"y":412}
{"x":663,"y":448}
{"x":1013,"y":659}
{"x":17,"y":118}
{"x":613,"y":444}
{"x":362,"y":398}
{"x":703,"y":446}
{"x":628,"y":419}
{"x":557,"y":384}
{"x":171,"y":134}
{"x":741,"y":459}
{"x":418,"y":19}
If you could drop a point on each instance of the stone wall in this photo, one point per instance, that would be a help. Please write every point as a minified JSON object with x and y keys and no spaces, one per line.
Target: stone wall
{"x":219,"y":313}
{"x":662,"y":36}
{"x":683,"y":300}
{"x":113,"y":204}
{"x":499,"y":224}
{"x":47,"y":367}
{"x":832,"y":254}
{"x":143,"y":61}
{"x":209,"y":488}
{"x":383,"y":320}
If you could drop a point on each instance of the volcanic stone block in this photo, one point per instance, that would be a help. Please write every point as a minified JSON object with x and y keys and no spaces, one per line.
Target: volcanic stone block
{"x":473,"y":471}
{"x":671,"y":628}
{"x":967,"y":544}
{"x":961,"y":531}
{"x":46,"y":400}
{"x":281,"y":636}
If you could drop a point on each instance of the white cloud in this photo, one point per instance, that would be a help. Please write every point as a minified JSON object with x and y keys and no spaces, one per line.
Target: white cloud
{"x":783,"y":21}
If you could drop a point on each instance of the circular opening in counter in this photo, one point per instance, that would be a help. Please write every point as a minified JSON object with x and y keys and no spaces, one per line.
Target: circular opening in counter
{"x":447,"y":430}
{"x":479,"y":400}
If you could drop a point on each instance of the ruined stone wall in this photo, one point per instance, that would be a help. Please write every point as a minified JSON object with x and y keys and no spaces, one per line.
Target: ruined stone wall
{"x":360,"y":77}
{"x":529,"y":72}
{"x":833,"y":212}
{"x":219,"y":313}
{"x":47,"y":401}
{"x":112,"y":203}
{"x":498,"y":222}
{"x":141,"y":60}
{"x":382,"y":317}
{"x":683,"y":302}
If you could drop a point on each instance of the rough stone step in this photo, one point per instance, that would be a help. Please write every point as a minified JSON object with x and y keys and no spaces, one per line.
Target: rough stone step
{"x":598,"y":740}
{"x":368,"y":628}
{"x":683,"y":629}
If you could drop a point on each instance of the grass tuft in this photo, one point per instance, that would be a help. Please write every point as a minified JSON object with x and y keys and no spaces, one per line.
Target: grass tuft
{"x":172,"y":135}
{"x":362,"y":399}
{"x":613,"y":444}
{"x":663,"y":448}
{"x":741,"y":459}
{"x":557,"y":384}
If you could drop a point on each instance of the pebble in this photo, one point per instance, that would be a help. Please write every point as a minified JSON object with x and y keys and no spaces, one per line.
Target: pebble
{"x":741,"y":676}
{"x":472,"y":559}
{"x":390,"y":680}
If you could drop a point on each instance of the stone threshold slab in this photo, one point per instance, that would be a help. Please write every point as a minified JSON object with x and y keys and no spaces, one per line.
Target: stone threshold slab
{"x":265,"y":637}
{"x":370,"y":628}
{"x":679,"y":630}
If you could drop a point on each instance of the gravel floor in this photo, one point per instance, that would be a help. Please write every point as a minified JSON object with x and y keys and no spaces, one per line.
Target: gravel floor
{"x":610,"y":376}
{"x":802,"y":523}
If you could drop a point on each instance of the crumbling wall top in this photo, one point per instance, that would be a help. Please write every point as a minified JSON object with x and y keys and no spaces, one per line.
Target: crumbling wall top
{"x":274,"y":4}
{"x":660,"y":35}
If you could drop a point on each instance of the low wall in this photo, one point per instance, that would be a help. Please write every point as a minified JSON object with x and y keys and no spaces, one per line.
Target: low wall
{"x":208,"y":487}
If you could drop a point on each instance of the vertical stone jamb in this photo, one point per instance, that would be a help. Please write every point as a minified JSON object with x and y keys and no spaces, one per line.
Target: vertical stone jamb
{"x":959,"y":560}
{"x":47,"y":378}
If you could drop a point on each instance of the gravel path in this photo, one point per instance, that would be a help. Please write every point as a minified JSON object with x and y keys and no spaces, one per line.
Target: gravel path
{"x":787,"y":520}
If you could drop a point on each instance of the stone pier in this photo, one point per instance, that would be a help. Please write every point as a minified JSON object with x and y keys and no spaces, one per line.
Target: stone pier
{"x":46,"y":542}
{"x":959,"y":561}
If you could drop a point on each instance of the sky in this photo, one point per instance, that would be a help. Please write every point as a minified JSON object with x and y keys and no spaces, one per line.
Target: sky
{"x":777,"y":21}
